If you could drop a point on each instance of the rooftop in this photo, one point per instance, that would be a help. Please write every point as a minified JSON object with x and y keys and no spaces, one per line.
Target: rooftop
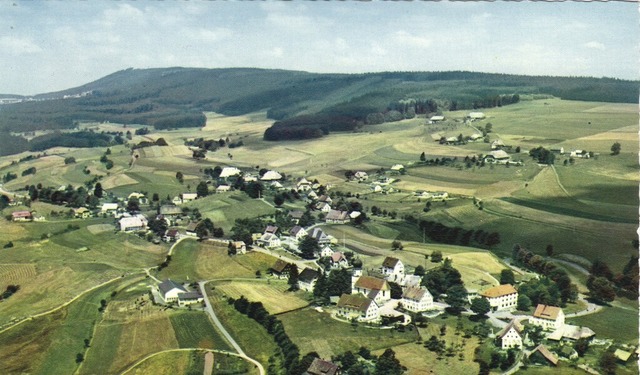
{"x":499,"y":291}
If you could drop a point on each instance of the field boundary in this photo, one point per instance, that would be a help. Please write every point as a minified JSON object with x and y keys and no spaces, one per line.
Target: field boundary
{"x":179,"y":350}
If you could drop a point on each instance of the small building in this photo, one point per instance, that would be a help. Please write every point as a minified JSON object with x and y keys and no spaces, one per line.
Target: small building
{"x":497,"y":157}
{"x":397,"y":167}
{"x":498,"y":144}
{"x":326,"y":251}
{"x":189,"y":298}
{"x":171,"y":235}
{"x":374,"y":288}
{"x":271,"y":176}
{"x":582,"y":154}
{"x":542,"y":355}
{"x":322,"y":367}
{"x":622,"y":355}
{"x":109,"y":208}
{"x":417,"y":299}
{"x":338,"y":260}
{"x":358,"y":307}
{"x":169,"y":291}
{"x":296,"y":216}
{"x":501,"y":297}
{"x":21,"y":216}
{"x":361,"y":176}
{"x":223,"y":189}
{"x":269,"y":241}
{"x":297,"y":233}
{"x":191,"y":229}
{"x":511,"y":336}
{"x":337,"y":217}
{"x":548,"y":317}
{"x":475,"y":136}
{"x":81,"y":212}
{"x":436,"y":118}
{"x":307,"y":279}
{"x":303,"y":185}
{"x":320,"y":236}
{"x":323,"y":207}
{"x":239,"y":246}
{"x":281,"y":269}
{"x":476,"y":115}
{"x":188,"y":197}
{"x":272,"y":229}
{"x":392,"y":268}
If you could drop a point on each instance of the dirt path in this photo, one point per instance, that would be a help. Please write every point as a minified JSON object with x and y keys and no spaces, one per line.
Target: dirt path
{"x":208,"y":363}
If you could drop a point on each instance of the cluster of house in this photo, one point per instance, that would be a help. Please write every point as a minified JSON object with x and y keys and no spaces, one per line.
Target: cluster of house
{"x":549,"y":318}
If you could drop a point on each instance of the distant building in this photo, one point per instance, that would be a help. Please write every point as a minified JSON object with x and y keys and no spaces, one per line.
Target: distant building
{"x":307,"y":279}
{"x":21,"y":216}
{"x":337,"y":217}
{"x":392,"y":268}
{"x":109,"y":208}
{"x":498,"y":157}
{"x":271,"y":176}
{"x":476,"y":115}
{"x":133,"y":223}
{"x":322,"y":367}
{"x":374,"y":288}
{"x":81,"y":212}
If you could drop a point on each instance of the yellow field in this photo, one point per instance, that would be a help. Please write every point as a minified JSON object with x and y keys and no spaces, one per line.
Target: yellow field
{"x":142,"y":338}
{"x":274,"y":296}
{"x":116,"y":180}
{"x":168,"y":363}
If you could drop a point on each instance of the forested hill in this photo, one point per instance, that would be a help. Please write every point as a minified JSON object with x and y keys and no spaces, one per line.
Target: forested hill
{"x":176,"y":97}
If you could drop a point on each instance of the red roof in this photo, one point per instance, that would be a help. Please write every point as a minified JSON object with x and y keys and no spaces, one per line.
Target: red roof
{"x":19,"y":214}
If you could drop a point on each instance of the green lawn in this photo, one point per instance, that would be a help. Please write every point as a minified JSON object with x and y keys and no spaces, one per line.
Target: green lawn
{"x":194,"y":330}
{"x":620,"y":323}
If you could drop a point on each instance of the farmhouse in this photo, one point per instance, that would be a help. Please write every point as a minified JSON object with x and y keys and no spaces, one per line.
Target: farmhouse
{"x":498,"y":157}
{"x":501,"y":297}
{"x":133,"y":223}
{"x":359,"y":307}
{"x":171,"y":235}
{"x":392,"y":268}
{"x":188,"y":197}
{"x":229,"y":172}
{"x":337,"y":217}
{"x":361,"y":176}
{"x":323,"y":207}
{"x":322,"y":367}
{"x":281,"y":269}
{"x":322,"y":238}
{"x":191,"y":229}
{"x":436,"y":118}
{"x":307,"y":279}
{"x":372,"y":287}
{"x":271,"y":176}
{"x":548,"y":317}
{"x":189,"y":298}
{"x":169,"y":290}
{"x":296,"y":216}
{"x":81,"y":212}
{"x":21,"y":216}
{"x":476,"y":115}
{"x":511,"y":336}
{"x":223,"y":189}
{"x":474,"y":137}
{"x":542,"y":355}
{"x":338,"y":260}
{"x":239,"y":246}
{"x":579,"y":154}
{"x":497,"y":144}
{"x":417,"y":299}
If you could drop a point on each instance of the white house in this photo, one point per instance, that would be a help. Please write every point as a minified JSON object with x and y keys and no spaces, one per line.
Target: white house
{"x":417,"y":299}
{"x":189,"y":298}
{"x":133,"y":223}
{"x":81,"y":212}
{"x":229,"y":172}
{"x":320,"y":236}
{"x":323,"y":207}
{"x":326,"y":251}
{"x":359,"y":307}
{"x":397,"y":167}
{"x":307,"y":279}
{"x":239,"y":246}
{"x":361,"y":176}
{"x":476,"y":115}
{"x":109,"y":208}
{"x":372,"y":287}
{"x":392,"y":268}
{"x":169,"y":290}
{"x":304,"y":185}
{"x":579,"y":154}
{"x":297,"y":233}
{"x":501,"y":297}
{"x":511,"y":336}
{"x":271,"y":176}
{"x":548,"y":317}
{"x":436,"y":118}
{"x":223,"y":188}
{"x":269,"y":240}
{"x":498,"y":157}
{"x":188,"y":197}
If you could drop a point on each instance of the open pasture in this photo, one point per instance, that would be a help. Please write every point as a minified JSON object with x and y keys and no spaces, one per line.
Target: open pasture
{"x":274,"y":295}
{"x":317,"y":331}
{"x":193,"y":329}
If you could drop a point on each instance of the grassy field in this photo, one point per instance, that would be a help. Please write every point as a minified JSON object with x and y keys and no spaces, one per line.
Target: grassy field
{"x":194,"y":330}
{"x":273,"y":295}
{"x":620,"y":323}
{"x":315,"y":331}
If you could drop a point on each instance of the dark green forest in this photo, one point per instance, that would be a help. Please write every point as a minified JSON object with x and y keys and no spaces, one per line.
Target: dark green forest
{"x":304,"y":105}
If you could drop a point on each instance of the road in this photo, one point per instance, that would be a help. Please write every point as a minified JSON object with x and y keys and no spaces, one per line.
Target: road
{"x":225,"y":333}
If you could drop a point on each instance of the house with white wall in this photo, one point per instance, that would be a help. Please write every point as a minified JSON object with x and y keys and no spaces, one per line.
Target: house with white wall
{"x":501,"y":297}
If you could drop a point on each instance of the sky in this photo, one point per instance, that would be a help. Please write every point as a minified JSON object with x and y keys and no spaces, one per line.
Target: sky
{"x":55,"y":45}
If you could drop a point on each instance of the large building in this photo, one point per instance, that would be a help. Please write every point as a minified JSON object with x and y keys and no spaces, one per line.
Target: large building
{"x":548,"y":317}
{"x":501,"y":297}
{"x":417,"y":299}
{"x":358,"y":307}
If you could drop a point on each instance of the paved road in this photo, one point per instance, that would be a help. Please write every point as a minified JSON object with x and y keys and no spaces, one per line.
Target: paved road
{"x":225,"y":333}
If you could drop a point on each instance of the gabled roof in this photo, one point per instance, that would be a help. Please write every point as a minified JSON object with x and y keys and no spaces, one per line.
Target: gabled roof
{"x":280,"y":266}
{"x":547,"y":312}
{"x":390,"y":262}
{"x":499,"y":291}
{"x":171,"y":232}
{"x":337,"y":256}
{"x":189,"y":296}
{"x":170,"y":210}
{"x":622,"y":355}
{"x":545,"y":353}
{"x":513,"y":324}
{"x":308,"y":275}
{"x":296,"y":214}
{"x":295,"y":230}
{"x":372,"y":283}
{"x":337,"y":215}
{"x":322,"y":367}
{"x":192,"y":226}
{"x":271,"y":229}
{"x":168,"y":285}
{"x":318,"y":234}
{"x":21,"y":214}
{"x":271,"y":175}
{"x":355,"y":301}
{"x":415,"y":294}
{"x":229,"y":171}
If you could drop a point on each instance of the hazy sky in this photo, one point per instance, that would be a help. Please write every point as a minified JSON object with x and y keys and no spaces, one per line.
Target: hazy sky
{"x":49,"y":46}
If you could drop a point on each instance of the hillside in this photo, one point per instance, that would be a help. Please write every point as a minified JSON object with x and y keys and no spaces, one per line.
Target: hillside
{"x":170,"y":98}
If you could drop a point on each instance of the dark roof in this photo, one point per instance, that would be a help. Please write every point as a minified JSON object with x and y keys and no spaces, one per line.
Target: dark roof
{"x":355,"y":301}
{"x":169,"y":284}
{"x":296,"y":214}
{"x":372,"y":283}
{"x":545,"y":353}
{"x":390,"y":262}
{"x":189,"y":295}
{"x":414,"y":294}
{"x":271,"y":229}
{"x":308,"y":275}
{"x":172,"y":232}
{"x":337,"y":215}
{"x":281,"y":266}
{"x":322,"y":367}
{"x":170,"y":210}
{"x":192,"y":226}
{"x":294,"y":231}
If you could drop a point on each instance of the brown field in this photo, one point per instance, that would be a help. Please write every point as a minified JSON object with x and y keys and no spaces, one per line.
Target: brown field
{"x":116,"y":180}
{"x":274,"y":296}
{"x":16,"y":273}
{"x":142,"y":338}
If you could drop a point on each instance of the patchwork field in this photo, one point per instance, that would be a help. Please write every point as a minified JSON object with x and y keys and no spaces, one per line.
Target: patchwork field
{"x":274,"y":295}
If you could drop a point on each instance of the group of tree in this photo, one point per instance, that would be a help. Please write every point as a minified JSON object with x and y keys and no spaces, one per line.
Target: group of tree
{"x":604,"y":285}
{"x":525,"y":258}
{"x":85,"y":139}
{"x":143,"y":144}
{"x":243,"y":229}
{"x":334,"y":283}
{"x":70,"y":196}
{"x":9,"y":291}
{"x":257,"y":312}
{"x":446,"y":280}
{"x":104,"y":159}
{"x":205,"y":229}
{"x":441,"y":233}
{"x":542,"y":155}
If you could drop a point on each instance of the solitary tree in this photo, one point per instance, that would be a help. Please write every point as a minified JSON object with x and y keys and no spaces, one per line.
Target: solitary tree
{"x":309,"y":247}
{"x":480,"y":306}
{"x":179,"y":177}
{"x":615,"y":148}
{"x":97,"y":190}
{"x":507,"y":277}
{"x":423,"y":157}
{"x":202,"y":189}
{"x":549,"y":250}
{"x":293,"y":278}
